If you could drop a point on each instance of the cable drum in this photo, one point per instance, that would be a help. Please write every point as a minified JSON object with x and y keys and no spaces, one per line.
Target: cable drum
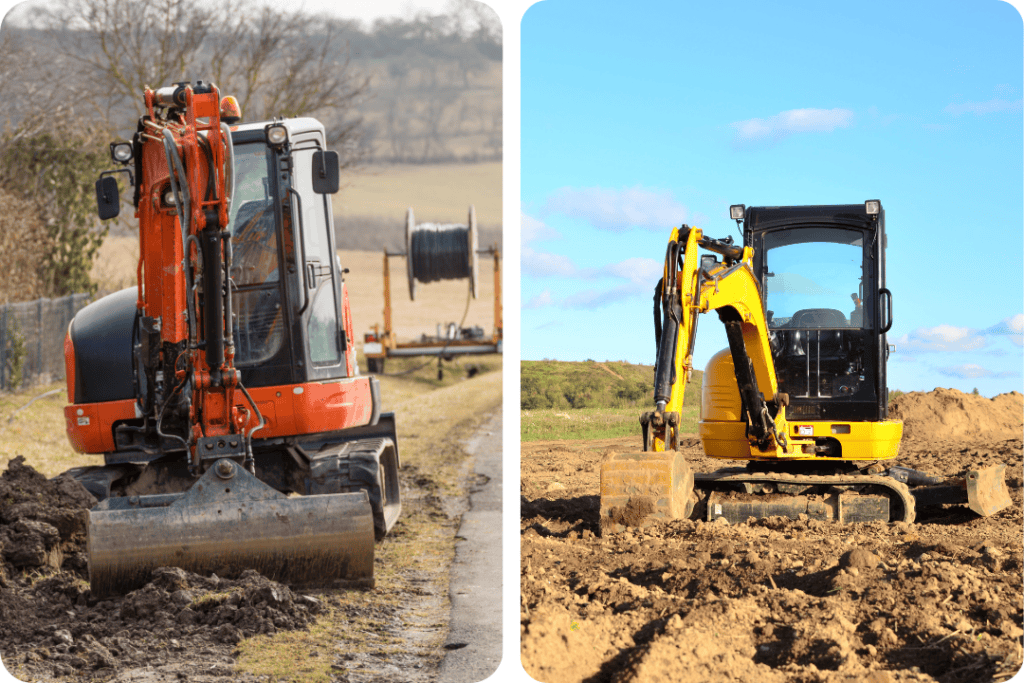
{"x":436,"y":251}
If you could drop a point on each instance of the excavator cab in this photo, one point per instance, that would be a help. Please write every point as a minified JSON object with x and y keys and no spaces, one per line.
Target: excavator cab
{"x":282,"y":235}
{"x":822,"y":276}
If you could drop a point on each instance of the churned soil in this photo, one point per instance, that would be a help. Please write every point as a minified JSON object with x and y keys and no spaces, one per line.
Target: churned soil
{"x":779,"y":599}
{"x":182,"y":626}
{"x":52,"y":626}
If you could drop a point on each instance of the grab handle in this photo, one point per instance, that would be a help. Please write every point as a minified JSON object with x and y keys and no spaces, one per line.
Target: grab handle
{"x":885,"y":311}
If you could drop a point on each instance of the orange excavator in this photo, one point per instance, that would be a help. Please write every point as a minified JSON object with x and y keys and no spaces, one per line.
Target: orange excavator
{"x":221,"y":391}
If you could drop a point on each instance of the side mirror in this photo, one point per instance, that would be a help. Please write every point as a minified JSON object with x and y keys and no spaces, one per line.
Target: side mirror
{"x":108,"y":200}
{"x":326,"y":172}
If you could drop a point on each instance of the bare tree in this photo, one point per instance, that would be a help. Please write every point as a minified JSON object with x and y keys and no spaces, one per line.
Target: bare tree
{"x":276,"y":63}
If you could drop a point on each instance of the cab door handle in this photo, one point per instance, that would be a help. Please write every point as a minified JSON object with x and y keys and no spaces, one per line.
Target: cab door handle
{"x":885,"y":312}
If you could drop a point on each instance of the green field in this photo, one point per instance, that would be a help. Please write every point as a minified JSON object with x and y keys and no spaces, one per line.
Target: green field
{"x":592,"y":400}
{"x":549,"y":424}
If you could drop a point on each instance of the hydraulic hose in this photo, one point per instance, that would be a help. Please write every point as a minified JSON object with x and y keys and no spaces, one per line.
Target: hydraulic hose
{"x":664,"y":373}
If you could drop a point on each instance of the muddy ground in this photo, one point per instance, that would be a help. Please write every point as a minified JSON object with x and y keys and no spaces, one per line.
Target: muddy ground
{"x":181,"y":626}
{"x":778,"y":599}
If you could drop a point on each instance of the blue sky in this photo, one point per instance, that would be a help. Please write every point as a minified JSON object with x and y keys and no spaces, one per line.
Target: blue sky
{"x":634,"y":121}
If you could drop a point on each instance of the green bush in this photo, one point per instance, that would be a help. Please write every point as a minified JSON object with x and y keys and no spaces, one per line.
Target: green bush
{"x":590,"y":384}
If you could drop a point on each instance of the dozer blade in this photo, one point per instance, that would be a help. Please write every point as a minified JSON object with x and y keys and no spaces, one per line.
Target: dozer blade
{"x":986,"y":490}
{"x":227,"y":522}
{"x":638,"y":489}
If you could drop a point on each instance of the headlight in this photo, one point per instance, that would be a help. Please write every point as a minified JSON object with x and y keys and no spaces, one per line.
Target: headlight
{"x":121,"y":152}
{"x":873,"y":207}
{"x":736,"y":211}
{"x":277,"y":135}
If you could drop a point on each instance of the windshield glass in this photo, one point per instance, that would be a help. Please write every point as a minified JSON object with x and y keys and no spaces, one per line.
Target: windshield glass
{"x":814,"y":277}
{"x":256,"y":299}
{"x":253,"y":237}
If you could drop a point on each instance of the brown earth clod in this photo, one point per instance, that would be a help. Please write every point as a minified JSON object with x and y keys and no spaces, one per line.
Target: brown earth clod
{"x":634,"y":512}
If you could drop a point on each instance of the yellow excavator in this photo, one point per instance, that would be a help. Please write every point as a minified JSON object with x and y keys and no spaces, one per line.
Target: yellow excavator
{"x":800,"y":394}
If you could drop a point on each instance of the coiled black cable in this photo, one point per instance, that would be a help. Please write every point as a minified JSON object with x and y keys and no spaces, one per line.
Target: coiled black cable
{"x":440,"y":252}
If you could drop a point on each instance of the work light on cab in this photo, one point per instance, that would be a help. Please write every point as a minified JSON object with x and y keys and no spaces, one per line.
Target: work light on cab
{"x":121,"y":152}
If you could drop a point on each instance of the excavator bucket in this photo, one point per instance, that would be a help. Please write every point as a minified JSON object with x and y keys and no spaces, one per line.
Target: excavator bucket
{"x":227,"y":522}
{"x":986,"y":490}
{"x":640,"y":488}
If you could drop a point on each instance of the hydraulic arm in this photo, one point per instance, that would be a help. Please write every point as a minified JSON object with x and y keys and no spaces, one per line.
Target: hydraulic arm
{"x":689,"y":287}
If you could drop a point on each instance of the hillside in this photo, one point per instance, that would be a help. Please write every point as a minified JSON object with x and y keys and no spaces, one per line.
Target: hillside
{"x":591,"y":384}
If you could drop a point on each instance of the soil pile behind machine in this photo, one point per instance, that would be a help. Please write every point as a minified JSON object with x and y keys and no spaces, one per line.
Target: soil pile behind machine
{"x":800,"y":394}
{"x":224,"y":384}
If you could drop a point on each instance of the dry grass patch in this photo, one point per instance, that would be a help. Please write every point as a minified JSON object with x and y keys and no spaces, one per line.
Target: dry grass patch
{"x":116,"y":265}
{"x":402,"y":622}
{"x":425,"y":419}
{"x":37,"y":431}
{"x":292,"y":655}
{"x":436,"y":192}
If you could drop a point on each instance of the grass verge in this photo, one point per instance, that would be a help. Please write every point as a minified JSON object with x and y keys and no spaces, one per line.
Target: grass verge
{"x":36,"y":431}
{"x":591,"y":423}
{"x":402,"y":622}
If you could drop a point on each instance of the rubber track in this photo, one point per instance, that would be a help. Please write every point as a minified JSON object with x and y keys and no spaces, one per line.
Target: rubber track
{"x":347,"y":462}
{"x":898,"y":488}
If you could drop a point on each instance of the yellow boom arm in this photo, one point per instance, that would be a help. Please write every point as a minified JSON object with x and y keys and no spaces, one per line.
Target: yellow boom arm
{"x":688,"y":289}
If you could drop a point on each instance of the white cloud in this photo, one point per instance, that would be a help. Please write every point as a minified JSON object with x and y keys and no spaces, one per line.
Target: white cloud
{"x":949,"y":338}
{"x":598,"y":298}
{"x":972,"y":371}
{"x":546,"y":264}
{"x":539,"y":301}
{"x":992,"y":106}
{"x":532,"y":230}
{"x":619,"y":210}
{"x":638,"y":269}
{"x":941,"y":338}
{"x":786,"y":123}
{"x":1012,"y":327}
{"x":641,"y":274}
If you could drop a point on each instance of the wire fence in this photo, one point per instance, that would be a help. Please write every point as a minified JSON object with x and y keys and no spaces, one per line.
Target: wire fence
{"x":32,"y":339}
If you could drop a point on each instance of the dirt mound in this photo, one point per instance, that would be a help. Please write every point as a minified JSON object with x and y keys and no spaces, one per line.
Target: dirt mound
{"x":42,"y":522}
{"x":60,"y":624}
{"x":51,"y":623}
{"x":948,"y":413}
